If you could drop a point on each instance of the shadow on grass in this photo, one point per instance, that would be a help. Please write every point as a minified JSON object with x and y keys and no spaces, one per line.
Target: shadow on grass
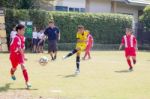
{"x":22,"y":89}
{"x":123,"y":71}
{"x":5,"y":88}
{"x":69,"y":76}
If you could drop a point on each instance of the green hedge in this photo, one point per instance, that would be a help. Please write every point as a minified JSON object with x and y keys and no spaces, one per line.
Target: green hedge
{"x":145,"y":18}
{"x":106,"y":28}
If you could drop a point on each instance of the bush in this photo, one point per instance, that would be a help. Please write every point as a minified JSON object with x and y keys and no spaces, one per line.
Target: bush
{"x":105,"y":28}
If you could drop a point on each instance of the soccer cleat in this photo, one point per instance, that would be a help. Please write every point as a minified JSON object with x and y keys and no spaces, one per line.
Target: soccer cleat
{"x":64,"y":57}
{"x":28,"y":85}
{"x":77,"y":72}
{"x":13,"y":77}
{"x":131,"y":69}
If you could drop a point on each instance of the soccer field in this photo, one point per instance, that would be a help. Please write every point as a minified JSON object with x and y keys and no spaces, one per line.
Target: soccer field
{"x":105,"y":76}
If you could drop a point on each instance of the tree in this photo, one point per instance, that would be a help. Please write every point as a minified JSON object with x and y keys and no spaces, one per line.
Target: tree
{"x":24,"y":4}
{"x":145,"y":18}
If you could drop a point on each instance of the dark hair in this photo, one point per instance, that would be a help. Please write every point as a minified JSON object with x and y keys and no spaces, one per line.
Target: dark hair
{"x":51,"y":21}
{"x":129,"y":29}
{"x":19,"y":27}
{"x":80,"y":27}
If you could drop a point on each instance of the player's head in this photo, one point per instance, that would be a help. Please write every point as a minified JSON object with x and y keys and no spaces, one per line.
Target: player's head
{"x":51,"y":24}
{"x":20,"y":29}
{"x":128,"y":31}
{"x":80,"y":28}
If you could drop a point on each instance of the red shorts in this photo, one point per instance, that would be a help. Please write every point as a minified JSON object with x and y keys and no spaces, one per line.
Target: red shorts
{"x":130,"y":52}
{"x":16,"y":59}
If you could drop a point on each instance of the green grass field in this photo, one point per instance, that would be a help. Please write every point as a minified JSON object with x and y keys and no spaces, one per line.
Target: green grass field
{"x":105,"y":76}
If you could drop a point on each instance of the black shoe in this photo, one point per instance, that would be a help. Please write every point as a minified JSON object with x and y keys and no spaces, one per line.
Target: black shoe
{"x":131,"y":69}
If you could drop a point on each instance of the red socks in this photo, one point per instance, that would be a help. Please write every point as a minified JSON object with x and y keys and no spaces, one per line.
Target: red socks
{"x":25,"y":74}
{"x":12,"y":71}
{"x":129,"y":62}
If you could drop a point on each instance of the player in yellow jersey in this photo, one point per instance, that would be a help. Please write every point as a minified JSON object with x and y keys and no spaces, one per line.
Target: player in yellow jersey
{"x":81,"y":37}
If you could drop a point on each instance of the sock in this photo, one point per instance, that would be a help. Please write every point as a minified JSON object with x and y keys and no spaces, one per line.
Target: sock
{"x":134,"y":61}
{"x":12,"y":71}
{"x":129,"y":63}
{"x":73,"y":52}
{"x":78,"y":62}
{"x":25,"y":74}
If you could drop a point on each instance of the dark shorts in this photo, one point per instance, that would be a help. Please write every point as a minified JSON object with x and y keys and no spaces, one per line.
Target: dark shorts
{"x":34,"y":41}
{"x":41,"y":43}
{"x":52,"y":45}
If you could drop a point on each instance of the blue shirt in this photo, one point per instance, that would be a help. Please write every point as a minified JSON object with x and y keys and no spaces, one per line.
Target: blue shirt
{"x":52,"y":33}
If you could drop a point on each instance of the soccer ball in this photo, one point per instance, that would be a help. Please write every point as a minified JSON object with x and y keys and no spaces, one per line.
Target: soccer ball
{"x":43,"y":60}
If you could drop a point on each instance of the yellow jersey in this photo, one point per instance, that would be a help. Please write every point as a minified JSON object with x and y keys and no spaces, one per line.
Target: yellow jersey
{"x":82,"y":36}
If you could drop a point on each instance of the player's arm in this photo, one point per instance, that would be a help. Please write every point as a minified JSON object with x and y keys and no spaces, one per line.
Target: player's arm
{"x":59,"y":36}
{"x":45,"y":34}
{"x":135,"y":42}
{"x":92,"y":41}
{"x":58,"y":32}
{"x":120,"y":47}
{"x":122,"y":43}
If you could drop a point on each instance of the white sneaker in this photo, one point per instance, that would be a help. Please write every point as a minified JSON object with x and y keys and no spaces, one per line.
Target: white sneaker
{"x":64,"y":57}
{"x":28,"y":85}
{"x":77,"y":72}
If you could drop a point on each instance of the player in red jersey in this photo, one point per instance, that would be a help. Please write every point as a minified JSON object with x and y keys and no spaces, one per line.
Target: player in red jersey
{"x":88,"y":46}
{"x":130,"y":43}
{"x":17,"y":57}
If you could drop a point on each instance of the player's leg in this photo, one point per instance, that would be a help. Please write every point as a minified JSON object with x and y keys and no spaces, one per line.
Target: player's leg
{"x":89,"y":55}
{"x":25,"y":74}
{"x":86,"y":53}
{"x":34,"y":48}
{"x":55,"y":49}
{"x":129,"y":62}
{"x":51,"y":54}
{"x":78,"y":63}
{"x":71,"y":53}
{"x":34,"y":45}
{"x":133,"y":53}
{"x":134,"y":59}
{"x":12,"y":72}
{"x":128,"y":54}
{"x":55,"y":54}
{"x":14,"y":62}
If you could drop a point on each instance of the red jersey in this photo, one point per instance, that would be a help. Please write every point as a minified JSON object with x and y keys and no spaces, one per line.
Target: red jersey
{"x":129,"y":41}
{"x":16,"y":56}
{"x":17,"y":43}
{"x":90,"y":40}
